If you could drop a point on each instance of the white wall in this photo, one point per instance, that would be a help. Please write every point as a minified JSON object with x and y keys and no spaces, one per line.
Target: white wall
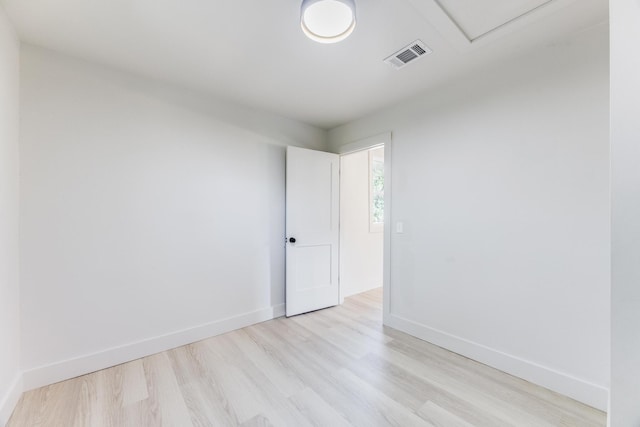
{"x":501,"y":180}
{"x":625,"y":186}
{"x":10,"y":378}
{"x":360,"y":248}
{"x":151,"y":217}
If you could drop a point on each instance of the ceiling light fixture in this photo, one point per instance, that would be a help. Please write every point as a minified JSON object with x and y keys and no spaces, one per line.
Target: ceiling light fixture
{"x":328,"y":21}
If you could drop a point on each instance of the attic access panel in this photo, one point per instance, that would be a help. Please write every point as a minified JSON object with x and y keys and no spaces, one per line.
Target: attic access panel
{"x":476,"y":18}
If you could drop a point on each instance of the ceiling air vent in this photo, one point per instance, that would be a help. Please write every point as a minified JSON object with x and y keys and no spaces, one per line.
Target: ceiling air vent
{"x":408,"y":54}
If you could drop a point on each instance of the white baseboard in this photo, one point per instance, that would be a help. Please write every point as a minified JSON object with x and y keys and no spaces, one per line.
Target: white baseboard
{"x":71,"y":368}
{"x":278,"y":311}
{"x":9,"y":400}
{"x":583,"y":391}
{"x":361,"y":290}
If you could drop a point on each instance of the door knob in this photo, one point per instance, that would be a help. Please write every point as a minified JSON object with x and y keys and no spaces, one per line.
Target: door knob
{"x":292,"y":239}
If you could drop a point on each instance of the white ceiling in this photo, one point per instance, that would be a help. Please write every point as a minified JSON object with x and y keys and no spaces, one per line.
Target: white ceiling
{"x":253,"y":51}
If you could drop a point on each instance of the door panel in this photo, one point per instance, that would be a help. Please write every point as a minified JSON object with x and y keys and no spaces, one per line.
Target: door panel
{"x":313,"y":221}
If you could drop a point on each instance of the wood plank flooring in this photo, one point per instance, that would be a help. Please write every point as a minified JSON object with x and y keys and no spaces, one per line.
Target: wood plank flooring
{"x":334,"y":367}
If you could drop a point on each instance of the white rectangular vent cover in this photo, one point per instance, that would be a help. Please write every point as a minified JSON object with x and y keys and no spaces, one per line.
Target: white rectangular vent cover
{"x":408,"y":54}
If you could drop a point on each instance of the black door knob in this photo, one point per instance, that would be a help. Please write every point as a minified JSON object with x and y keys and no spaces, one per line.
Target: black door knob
{"x":292,"y":239}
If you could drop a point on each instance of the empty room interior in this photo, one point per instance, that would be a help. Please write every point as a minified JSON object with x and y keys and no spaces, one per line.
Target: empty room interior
{"x":319,"y":213}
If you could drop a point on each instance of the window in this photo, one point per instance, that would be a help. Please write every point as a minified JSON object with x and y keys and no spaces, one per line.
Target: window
{"x":376,"y":190}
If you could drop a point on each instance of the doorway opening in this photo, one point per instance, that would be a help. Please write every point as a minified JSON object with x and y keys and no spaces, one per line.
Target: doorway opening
{"x":362,"y":208}
{"x":317,"y":251}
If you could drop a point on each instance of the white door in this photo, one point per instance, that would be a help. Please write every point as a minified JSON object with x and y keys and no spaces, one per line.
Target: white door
{"x":312,"y":225}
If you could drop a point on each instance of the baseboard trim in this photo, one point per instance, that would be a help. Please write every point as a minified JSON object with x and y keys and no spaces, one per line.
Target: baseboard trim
{"x":568,"y":385}
{"x":71,"y":368}
{"x":362,"y":290}
{"x":279,"y":311}
{"x":10,"y":399}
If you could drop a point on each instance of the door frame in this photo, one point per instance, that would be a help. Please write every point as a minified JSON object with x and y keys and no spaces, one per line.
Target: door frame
{"x":386,"y":140}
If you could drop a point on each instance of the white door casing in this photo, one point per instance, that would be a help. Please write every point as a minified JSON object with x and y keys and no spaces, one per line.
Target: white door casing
{"x":312,"y":219}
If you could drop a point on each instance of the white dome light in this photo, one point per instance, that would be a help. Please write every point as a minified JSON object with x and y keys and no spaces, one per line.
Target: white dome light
{"x":328,"y":21}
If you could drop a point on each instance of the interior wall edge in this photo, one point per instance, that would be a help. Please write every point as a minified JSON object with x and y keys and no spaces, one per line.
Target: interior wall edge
{"x":9,"y":401}
{"x":10,"y":374}
{"x":66,"y":369}
{"x":583,"y":391}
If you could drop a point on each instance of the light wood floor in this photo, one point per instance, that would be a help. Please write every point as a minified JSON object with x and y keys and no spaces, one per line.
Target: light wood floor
{"x":334,"y":367}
